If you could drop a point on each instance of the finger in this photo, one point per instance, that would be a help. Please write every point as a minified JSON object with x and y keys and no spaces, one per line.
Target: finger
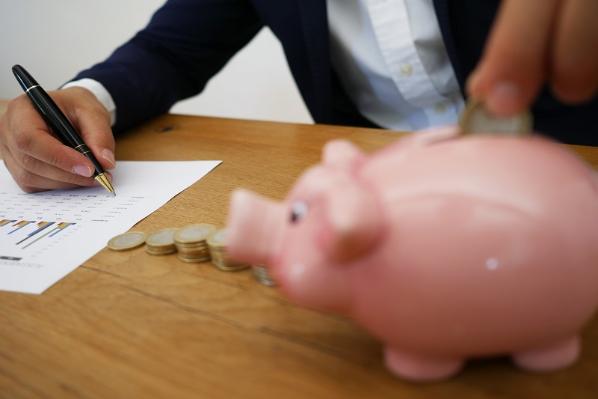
{"x":574,"y":73}
{"x":42,"y":146}
{"x":37,"y":167}
{"x":514,"y":63}
{"x":93,"y":124}
{"x":27,"y":181}
{"x":34,"y":166}
{"x":26,"y":132}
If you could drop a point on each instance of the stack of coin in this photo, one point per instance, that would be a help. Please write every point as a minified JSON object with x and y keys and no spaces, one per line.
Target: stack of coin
{"x":217,"y":244}
{"x":191,"y":243}
{"x":194,"y":243}
{"x":262,"y":275}
{"x":476,"y":119}
{"x":161,"y":242}
{"x":125,"y":241}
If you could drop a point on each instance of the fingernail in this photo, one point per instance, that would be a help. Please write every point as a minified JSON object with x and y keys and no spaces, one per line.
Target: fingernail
{"x":504,"y":99}
{"x":109,"y":156}
{"x":82,"y":170}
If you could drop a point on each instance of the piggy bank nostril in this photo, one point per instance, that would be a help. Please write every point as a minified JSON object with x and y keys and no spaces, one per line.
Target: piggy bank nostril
{"x":298,"y":211}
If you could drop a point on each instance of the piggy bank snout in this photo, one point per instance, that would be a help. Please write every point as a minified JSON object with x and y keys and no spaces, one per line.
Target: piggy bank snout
{"x":254,"y":225}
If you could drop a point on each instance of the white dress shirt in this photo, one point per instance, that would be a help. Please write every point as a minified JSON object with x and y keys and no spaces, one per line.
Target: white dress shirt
{"x":390,"y":58}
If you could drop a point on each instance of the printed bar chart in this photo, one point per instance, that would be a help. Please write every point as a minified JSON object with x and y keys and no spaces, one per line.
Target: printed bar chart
{"x":18,"y":226}
{"x":26,"y":233}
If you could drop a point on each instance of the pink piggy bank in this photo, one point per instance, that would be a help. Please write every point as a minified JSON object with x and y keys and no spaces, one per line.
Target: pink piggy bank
{"x":443,"y":248}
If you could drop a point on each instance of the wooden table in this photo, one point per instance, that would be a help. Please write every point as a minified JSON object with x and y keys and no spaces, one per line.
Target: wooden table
{"x":135,"y":326}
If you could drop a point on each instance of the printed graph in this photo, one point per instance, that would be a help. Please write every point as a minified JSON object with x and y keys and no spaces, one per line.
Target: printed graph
{"x":24,"y":234}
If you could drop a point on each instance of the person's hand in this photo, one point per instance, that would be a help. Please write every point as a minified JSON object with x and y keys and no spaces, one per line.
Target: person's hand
{"x":535,"y":42}
{"x":37,"y":160}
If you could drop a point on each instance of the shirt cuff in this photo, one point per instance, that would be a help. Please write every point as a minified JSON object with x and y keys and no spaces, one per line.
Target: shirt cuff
{"x":99,"y":91}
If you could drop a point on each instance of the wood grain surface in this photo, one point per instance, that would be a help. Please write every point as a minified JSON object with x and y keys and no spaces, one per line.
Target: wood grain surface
{"x":135,"y":326}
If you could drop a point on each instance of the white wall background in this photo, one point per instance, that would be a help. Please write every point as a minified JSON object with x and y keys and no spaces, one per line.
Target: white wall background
{"x":56,"y":39}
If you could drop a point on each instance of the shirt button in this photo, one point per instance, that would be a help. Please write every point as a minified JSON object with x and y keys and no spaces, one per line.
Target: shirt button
{"x":406,"y":70}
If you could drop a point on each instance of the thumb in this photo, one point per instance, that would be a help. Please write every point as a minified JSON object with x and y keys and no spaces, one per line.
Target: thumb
{"x":514,"y":64}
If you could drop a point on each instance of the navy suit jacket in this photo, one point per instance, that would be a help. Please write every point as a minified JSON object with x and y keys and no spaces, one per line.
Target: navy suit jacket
{"x":188,"y":41}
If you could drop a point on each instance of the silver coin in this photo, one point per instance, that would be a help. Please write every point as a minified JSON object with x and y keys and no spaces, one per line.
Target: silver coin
{"x":217,"y":239}
{"x":263,"y":276}
{"x":194,"y":233}
{"x":193,"y":259}
{"x":157,"y":251}
{"x":476,"y":119}
{"x":126,"y":241}
{"x":161,"y":238}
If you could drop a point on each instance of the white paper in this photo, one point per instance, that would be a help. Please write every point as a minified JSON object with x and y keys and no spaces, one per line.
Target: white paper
{"x":45,"y":236}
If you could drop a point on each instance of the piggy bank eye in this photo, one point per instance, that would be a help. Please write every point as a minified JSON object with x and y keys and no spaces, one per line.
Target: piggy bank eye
{"x":298,"y":211}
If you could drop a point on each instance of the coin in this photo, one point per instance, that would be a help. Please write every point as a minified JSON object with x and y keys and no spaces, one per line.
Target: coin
{"x":262,"y":275}
{"x":191,"y":243}
{"x":126,"y":241}
{"x":194,"y":233}
{"x":217,"y":244}
{"x":476,"y":119}
{"x":161,"y":242}
{"x":217,"y":239}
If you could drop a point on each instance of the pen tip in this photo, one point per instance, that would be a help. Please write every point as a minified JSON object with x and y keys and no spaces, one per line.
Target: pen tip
{"x":103,"y":180}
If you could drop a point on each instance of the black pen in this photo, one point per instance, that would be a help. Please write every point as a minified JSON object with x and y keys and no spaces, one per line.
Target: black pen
{"x":58,"y":122}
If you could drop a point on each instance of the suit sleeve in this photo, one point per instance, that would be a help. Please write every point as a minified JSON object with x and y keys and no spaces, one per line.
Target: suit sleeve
{"x":185,"y":43}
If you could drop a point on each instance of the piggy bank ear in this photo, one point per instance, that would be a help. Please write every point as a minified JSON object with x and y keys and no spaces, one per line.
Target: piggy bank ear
{"x":341,"y":154}
{"x":353,"y":223}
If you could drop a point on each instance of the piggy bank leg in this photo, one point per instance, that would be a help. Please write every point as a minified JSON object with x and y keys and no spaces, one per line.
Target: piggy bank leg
{"x":420,"y":368}
{"x":550,"y":358}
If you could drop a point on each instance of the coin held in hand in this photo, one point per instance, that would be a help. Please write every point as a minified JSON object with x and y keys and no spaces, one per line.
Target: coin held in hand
{"x":476,"y":119}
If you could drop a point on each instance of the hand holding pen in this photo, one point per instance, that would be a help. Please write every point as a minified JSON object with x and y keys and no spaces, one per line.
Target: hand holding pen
{"x":38,"y":160}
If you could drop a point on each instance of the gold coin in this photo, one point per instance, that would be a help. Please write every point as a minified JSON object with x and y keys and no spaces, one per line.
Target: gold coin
{"x":161,"y":238}
{"x":262,"y":275}
{"x":476,"y":119}
{"x":222,"y":262}
{"x":217,"y":239}
{"x":193,"y":233}
{"x":160,"y":251}
{"x":161,"y":242}
{"x":125,"y":241}
{"x":193,"y":259}
{"x":217,"y":243}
